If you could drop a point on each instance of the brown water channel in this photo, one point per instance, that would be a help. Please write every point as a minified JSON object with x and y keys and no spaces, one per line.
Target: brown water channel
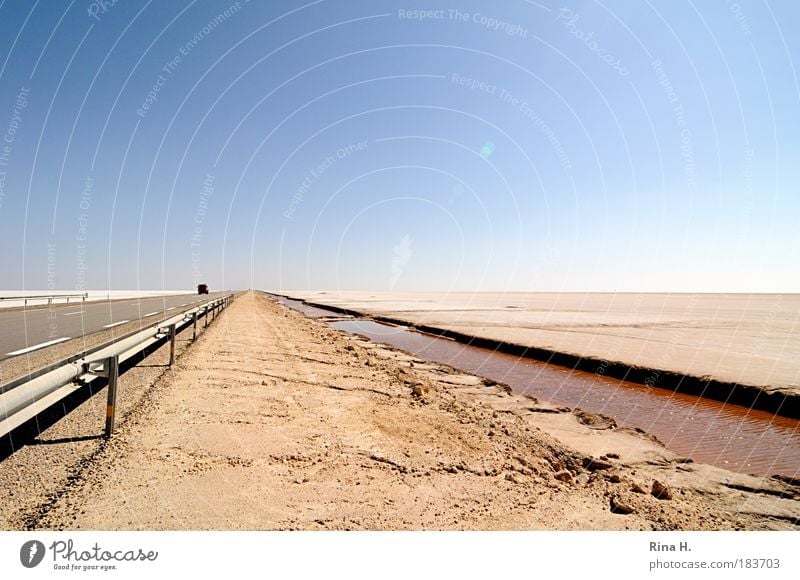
{"x":708,"y":431}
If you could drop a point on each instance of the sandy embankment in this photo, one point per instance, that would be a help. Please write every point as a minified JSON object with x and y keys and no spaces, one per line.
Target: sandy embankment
{"x":275,"y":421}
{"x":741,"y":348}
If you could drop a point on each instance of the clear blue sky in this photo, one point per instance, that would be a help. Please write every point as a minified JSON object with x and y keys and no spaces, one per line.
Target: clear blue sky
{"x":379,"y":145}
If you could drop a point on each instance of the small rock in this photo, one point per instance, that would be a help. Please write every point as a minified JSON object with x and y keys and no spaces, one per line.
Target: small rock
{"x":612,"y":455}
{"x":419,"y":390}
{"x":594,"y":420}
{"x":636,"y":488}
{"x":596,"y":464}
{"x":615,"y":478}
{"x":513,"y":478}
{"x":618,"y":506}
{"x":582,"y":478}
{"x":563,"y":475}
{"x":660,"y":491}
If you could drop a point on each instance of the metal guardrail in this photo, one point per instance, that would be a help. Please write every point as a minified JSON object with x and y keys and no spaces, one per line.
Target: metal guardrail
{"x":49,"y":297}
{"x":25,"y":397}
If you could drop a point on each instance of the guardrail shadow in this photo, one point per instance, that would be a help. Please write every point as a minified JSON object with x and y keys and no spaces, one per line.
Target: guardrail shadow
{"x":65,"y":440}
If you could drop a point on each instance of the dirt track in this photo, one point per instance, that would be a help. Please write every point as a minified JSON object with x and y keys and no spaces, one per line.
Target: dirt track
{"x":275,"y":421}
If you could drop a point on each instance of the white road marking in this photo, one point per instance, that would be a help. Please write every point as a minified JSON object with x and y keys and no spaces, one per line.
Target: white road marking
{"x":151,"y":313}
{"x":38,"y":346}
{"x":74,"y":313}
{"x":183,"y":304}
{"x":168,"y":309}
{"x":113,"y":324}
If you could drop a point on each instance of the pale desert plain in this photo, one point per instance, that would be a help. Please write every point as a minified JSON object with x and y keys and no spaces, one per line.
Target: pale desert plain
{"x":737,"y":339}
{"x":273,"y":420}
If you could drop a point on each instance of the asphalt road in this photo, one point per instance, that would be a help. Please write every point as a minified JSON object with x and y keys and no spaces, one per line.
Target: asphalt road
{"x":27,"y":330}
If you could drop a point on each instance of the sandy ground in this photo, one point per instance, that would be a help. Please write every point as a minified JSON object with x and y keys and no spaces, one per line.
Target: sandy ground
{"x":750,"y":339}
{"x":275,"y":421}
{"x":36,"y":469}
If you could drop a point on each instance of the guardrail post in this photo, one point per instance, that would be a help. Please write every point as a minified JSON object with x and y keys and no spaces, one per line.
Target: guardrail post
{"x":112,"y":372}
{"x":171,"y":344}
{"x":194,"y":325}
{"x":101,"y":361}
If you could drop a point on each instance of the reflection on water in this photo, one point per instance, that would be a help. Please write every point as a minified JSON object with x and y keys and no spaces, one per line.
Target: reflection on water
{"x":708,"y":431}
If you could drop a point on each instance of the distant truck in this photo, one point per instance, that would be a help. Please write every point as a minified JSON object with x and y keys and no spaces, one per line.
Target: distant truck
{"x":202,"y":288}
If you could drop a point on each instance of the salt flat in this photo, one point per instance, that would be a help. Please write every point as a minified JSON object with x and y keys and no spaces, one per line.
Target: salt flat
{"x":749,"y":339}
